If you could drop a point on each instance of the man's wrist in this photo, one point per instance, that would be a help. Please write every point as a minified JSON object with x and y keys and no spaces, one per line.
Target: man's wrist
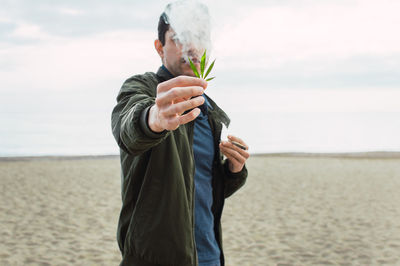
{"x":234,"y":169}
{"x":241,"y":173}
{"x":151,"y":121}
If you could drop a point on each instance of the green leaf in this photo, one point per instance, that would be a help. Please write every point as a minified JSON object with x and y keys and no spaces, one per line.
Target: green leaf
{"x":194,"y":68}
{"x":203,"y":63}
{"x":209,"y":69}
{"x":210,"y":79}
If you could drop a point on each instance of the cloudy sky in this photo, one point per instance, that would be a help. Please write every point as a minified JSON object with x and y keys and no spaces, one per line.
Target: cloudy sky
{"x":276,"y":55}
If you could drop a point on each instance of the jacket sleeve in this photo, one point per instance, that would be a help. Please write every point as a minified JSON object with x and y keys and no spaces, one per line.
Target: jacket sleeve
{"x":129,"y":116}
{"x":233,"y":181}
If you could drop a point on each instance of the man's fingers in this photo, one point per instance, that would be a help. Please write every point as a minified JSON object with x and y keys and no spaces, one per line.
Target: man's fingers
{"x":178,"y":93}
{"x":231,"y":146}
{"x":234,"y":138}
{"x":186,"y":118}
{"x":181,"y":81}
{"x":181,"y":107}
{"x":232,"y":159}
{"x":174,"y":122}
{"x":238,"y":144}
{"x":233,"y":153}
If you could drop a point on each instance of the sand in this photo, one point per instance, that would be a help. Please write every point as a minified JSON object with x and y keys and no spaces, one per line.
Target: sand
{"x":59,"y":212}
{"x":293,"y":210}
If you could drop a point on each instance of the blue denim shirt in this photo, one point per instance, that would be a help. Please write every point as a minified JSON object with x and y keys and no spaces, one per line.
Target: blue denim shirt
{"x":203,"y":146}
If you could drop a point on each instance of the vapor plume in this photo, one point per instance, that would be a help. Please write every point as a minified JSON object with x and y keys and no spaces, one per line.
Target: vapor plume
{"x":190,"y":21}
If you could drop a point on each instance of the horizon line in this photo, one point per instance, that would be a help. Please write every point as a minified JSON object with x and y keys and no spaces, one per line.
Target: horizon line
{"x":352,"y":155}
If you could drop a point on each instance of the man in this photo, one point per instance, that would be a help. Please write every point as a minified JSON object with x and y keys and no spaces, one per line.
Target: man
{"x":174,"y":180}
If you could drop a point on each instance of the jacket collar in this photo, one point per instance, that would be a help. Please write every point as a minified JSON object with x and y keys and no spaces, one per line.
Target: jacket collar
{"x":163,"y":74}
{"x":218,"y":113}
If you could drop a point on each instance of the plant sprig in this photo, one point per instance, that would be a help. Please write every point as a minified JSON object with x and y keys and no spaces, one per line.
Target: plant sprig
{"x":202,"y":68}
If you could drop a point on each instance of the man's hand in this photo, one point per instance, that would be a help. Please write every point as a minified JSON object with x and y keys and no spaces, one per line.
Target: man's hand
{"x":236,"y":156}
{"x":174,"y":97}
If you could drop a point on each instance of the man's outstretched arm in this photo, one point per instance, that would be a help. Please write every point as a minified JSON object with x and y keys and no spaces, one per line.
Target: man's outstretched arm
{"x":141,"y":120}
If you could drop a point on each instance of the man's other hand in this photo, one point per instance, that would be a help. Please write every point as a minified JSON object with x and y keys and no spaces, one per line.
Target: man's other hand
{"x":236,"y":156}
{"x":174,"y":97}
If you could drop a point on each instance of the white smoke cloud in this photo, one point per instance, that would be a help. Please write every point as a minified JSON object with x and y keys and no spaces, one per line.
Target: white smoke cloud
{"x":190,"y":21}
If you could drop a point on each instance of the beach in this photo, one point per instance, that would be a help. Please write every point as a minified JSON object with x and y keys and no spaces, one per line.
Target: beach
{"x":293,"y":210}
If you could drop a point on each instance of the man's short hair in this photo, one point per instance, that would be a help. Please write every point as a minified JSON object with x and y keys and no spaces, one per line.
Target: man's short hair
{"x":163,"y":27}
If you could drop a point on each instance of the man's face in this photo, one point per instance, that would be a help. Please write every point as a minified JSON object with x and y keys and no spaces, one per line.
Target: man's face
{"x":174,"y":60}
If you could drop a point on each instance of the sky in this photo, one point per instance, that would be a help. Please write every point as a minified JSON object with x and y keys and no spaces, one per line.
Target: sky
{"x":271,"y":56}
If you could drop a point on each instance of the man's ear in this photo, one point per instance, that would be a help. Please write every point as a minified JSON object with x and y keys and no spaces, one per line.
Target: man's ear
{"x":159,"y":47}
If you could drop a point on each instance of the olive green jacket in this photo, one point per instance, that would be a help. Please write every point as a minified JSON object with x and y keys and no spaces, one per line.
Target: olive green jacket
{"x":156,"y":224}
